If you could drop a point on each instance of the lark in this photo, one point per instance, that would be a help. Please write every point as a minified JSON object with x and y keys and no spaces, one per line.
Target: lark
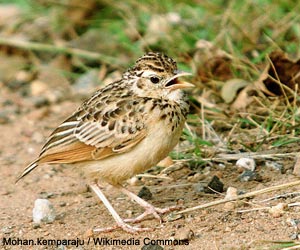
{"x":122,"y":130}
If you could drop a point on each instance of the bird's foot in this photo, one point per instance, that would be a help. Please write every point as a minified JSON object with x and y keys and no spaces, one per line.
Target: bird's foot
{"x":155,"y":211}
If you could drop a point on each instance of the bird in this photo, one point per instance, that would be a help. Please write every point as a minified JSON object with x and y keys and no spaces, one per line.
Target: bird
{"x":123,"y":129}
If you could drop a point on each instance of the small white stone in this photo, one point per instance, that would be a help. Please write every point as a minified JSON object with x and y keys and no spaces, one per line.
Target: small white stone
{"x":221,"y":166}
{"x":43,"y":211}
{"x":247,"y":163}
{"x":231,"y":193}
{"x":134,"y":181}
{"x":278,"y":210}
{"x":206,"y":171}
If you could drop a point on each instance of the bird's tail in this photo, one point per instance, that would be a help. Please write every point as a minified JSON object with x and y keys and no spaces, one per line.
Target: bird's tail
{"x":28,"y":169}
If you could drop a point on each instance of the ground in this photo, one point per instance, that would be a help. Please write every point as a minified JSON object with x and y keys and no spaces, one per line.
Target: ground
{"x":244,"y":60}
{"x":78,"y":209}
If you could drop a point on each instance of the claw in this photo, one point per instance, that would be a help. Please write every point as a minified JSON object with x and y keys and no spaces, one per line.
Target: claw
{"x":156,"y":212}
{"x":149,"y":210}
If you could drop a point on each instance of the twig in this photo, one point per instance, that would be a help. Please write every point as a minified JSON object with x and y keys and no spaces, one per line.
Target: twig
{"x":25,"y":45}
{"x":154,"y":176}
{"x":255,"y":155}
{"x":293,"y":194}
{"x":243,"y":196}
{"x":295,"y":204}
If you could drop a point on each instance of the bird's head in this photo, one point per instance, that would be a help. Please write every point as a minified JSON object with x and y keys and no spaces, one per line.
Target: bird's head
{"x":156,"y":75}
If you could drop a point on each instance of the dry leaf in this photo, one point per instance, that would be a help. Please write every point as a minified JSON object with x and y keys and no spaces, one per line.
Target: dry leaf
{"x":260,"y":85}
{"x":211,"y":62}
{"x":283,"y":70}
{"x":244,"y":98}
{"x":230,"y":89}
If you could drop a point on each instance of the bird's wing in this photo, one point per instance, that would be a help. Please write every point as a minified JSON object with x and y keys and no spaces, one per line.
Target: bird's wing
{"x":100,"y":128}
{"x":110,"y":122}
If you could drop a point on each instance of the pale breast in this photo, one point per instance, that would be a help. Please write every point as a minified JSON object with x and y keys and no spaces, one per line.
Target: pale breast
{"x":164,"y":131}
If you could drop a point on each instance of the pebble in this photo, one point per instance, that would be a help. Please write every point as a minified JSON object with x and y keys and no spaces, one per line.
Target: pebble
{"x":249,"y":175}
{"x":43,"y":211}
{"x":246,"y":163}
{"x":275,"y":166}
{"x":293,"y":222}
{"x":231,"y":193}
{"x":36,"y":225}
{"x":278,"y":210}
{"x":184,"y":234}
{"x":294,"y":236}
{"x":145,"y":193}
{"x":221,"y":166}
{"x":62,"y":204}
{"x":215,"y":185}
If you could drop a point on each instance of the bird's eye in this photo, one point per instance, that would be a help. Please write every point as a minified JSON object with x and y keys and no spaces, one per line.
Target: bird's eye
{"x":154,"y":79}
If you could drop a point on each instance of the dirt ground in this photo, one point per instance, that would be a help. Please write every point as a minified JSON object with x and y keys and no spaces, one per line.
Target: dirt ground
{"x":78,"y":210}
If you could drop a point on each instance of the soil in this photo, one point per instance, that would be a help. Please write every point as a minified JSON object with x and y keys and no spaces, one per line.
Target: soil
{"x":78,"y":210}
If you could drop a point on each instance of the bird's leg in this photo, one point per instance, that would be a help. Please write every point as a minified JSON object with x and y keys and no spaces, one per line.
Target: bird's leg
{"x":120,"y":223}
{"x":149,"y":209}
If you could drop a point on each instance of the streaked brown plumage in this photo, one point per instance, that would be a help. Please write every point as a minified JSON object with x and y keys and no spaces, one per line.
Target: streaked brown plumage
{"x":123,"y":129}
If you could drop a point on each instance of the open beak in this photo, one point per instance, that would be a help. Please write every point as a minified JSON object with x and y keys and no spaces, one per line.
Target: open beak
{"x":175,"y":83}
